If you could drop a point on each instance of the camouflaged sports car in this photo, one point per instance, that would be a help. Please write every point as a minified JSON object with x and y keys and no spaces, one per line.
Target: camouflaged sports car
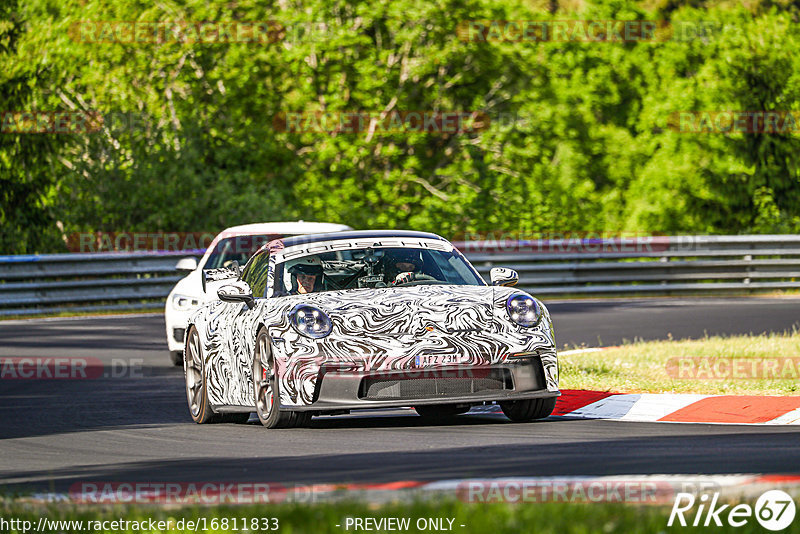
{"x":328,"y":323}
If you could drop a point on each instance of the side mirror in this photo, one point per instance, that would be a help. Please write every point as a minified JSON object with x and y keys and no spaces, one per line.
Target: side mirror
{"x":186,"y":264}
{"x":238,"y":292}
{"x":501,"y":276}
{"x":224,"y":273}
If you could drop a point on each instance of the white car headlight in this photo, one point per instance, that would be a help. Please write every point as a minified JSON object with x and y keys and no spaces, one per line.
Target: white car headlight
{"x":524,"y":310}
{"x":184,"y":302}
{"x":310,"y":321}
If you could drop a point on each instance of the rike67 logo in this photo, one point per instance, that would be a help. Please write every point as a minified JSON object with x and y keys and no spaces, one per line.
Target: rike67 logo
{"x":774,"y":510}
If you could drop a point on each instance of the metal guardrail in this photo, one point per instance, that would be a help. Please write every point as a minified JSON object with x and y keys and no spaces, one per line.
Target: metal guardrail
{"x":51,"y":283}
{"x":658,"y":265}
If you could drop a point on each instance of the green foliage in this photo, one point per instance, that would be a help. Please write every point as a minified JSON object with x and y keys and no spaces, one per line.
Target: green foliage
{"x":193,"y":147}
{"x":26,"y":161}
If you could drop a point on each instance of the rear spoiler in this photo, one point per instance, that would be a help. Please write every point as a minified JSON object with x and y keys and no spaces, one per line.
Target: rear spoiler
{"x":223,"y":273}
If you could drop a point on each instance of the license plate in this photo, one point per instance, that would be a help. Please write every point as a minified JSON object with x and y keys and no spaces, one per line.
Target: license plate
{"x":427,"y":360}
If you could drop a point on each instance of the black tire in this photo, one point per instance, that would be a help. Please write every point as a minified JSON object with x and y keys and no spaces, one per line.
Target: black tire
{"x":176,"y":357}
{"x":195,"y":376}
{"x":523,"y":411}
{"x":266,"y":392}
{"x":441,"y":411}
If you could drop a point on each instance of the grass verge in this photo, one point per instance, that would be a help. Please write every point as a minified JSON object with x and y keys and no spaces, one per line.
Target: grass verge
{"x":738,"y":365}
{"x":493,"y":518}
{"x":156,"y":308}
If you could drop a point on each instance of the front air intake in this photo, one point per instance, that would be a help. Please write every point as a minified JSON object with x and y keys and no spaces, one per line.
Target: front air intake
{"x":434,"y":384}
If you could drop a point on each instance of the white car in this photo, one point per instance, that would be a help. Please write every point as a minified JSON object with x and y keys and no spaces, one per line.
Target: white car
{"x":236,"y":243}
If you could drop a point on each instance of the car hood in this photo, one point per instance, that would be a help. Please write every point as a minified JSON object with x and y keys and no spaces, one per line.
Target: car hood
{"x":413,"y":310}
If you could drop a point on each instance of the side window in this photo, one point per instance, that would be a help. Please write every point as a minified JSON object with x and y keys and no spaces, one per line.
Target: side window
{"x":256,"y":274}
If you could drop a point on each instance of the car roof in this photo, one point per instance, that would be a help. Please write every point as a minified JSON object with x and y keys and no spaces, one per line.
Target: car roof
{"x":280,"y":228}
{"x":290,"y":227}
{"x":355,"y":234}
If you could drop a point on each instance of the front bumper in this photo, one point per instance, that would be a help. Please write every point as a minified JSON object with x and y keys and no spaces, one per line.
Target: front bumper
{"x":176,"y":322}
{"x":343,"y":389}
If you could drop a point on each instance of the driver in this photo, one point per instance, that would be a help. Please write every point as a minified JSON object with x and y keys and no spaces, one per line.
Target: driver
{"x":402,"y":265}
{"x":306,"y":276}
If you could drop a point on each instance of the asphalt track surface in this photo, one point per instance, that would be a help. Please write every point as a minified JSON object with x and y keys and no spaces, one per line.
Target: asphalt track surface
{"x":136,"y":427}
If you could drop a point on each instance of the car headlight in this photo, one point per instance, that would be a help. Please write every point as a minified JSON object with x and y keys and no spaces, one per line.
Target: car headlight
{"x":310,"y":321}
{"x":184,"y":302}
{"x":524,"y":310}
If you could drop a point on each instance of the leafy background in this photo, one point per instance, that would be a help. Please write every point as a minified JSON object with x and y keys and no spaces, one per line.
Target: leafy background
{"x":590,"y":149}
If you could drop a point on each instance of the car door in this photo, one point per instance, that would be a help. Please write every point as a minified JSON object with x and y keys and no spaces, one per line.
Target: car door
{"x":244,"y":324}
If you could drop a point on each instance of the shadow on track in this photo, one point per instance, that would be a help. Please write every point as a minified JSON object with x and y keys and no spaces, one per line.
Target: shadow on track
{"x":711,"y":452}
{"x":155,"y":397}
{"x":44,"y":407}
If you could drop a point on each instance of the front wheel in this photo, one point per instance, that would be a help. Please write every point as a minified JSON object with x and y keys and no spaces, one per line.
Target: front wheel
{"x":523,"y":411}
{"x":266,"y":389}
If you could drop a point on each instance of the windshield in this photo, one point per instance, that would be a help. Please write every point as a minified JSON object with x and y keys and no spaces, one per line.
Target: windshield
{"x":372,"y":268}
{"x":237,"y":248}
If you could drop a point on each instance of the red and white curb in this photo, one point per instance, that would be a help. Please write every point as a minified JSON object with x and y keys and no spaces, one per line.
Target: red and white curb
{"x":672,"y":408}
{"x":679,"y":408}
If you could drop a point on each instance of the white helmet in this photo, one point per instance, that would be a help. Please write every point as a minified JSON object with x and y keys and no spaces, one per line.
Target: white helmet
{"x":306,"y":265}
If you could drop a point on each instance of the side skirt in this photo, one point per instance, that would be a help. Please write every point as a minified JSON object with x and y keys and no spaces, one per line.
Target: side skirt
{"x":230,"y":408}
